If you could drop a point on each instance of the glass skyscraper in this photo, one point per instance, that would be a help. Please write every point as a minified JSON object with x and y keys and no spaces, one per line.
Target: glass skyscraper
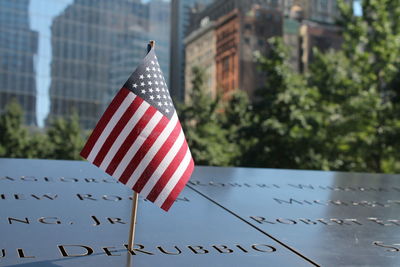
{"x":63,"y":56}
{"x":18,"y":50}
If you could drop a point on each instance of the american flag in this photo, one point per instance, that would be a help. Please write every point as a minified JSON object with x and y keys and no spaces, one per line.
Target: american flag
{"x":139,"y":139}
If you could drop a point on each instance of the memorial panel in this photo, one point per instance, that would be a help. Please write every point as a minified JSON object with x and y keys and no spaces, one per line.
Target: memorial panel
{"x":66,"y":213}
{"x":333,"y":218}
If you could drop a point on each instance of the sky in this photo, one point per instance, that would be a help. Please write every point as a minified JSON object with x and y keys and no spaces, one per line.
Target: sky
{"x":41,"y":22}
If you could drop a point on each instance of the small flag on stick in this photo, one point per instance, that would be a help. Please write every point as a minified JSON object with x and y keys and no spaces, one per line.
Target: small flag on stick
{"x":139,"y":139}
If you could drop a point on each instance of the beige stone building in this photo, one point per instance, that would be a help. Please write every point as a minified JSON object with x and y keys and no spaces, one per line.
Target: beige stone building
{"x":200,"y":52}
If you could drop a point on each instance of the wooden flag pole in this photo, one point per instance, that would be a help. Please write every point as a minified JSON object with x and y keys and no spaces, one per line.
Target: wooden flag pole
{"x":135,"y":195}
{"x":133,"y":220}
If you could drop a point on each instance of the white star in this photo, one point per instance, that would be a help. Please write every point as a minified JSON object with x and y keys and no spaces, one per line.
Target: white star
{"x":158,"y":96}
{"x":170,"y":103}
{"x":149,"y":82}
{"x":159,"y":103}
{"x":143,"y":91}
{"x":141,"y":77}
{"x":151,"y":90}
{"x":152,"y":97}
{"x":161,"y":82}
{"x":154,"y":69}
{"x":142,"y":84}
{"x":148,"y":76}
{"x":162,"y":89}
{"x":164,"y":96}
{"x":165,"y":103}
{"x":159,"y":70}
{"x":152,"y":62}
{"x":156,"y":82}
{"x":155,"y":75}
{"x":147,"y":69}
{"x":167,"y":110}
{"x":134,"y":85}
{"x":159,"y":75}
{"x":157,"y":89}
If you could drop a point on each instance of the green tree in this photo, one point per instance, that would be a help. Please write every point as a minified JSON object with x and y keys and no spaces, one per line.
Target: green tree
{"x":237,"y":119}
{"x":65,"y":138}
{"x":287,"y":118}
{"x":13,"y":136}
{"x":206,"y":137}
{"x":359,"y":90}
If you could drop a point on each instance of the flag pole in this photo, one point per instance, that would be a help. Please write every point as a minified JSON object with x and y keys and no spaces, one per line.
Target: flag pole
{"x":135,"y":199}
{"x":133,"y":220}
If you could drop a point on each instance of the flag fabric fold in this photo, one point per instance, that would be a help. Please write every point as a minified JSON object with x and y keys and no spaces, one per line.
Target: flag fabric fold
{"x":139,"y":139}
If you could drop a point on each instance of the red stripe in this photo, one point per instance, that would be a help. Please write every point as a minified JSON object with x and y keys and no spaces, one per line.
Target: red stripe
{"x":107,"y":115}
{"x":159,"y":156}
{"x":178,"y":187}
{"x":117,"y":130}
{"x":130,"y":139}
{"x":166,"y":176}
{"x":142,"y":151}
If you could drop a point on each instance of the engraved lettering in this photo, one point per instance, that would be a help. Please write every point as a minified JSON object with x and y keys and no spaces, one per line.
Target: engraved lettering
{"x":3,"y":253}
{"x":48,"y":196}
{"x":198,"y":249}
{"x":48,"y":179}
{"x":2,"y":196}
{"x":19,"y":197}
{"x":241,"y":248}
{"x":260,"y":220}
{"x":302,"y":186}
{"x":182,"y":199}
{"x":286,"y":221}
{"x":291,"y":201}
{"x":21,"y":254}
{"x":340,"y":222}
{"x":7,"y":178}
{"x":390,"y":248}
{"x":63,"y":179}
{"x":87,"y":250}
{"x":139,"y":249}
{"x":178,"y":251}
{"x":112,"y":198}
{"x":91,"y":180}
{"x":307,"y":221}
{"x":29,"y":178}
{"x":85,"y":196}
{"x":115,"y":220}
{"x":376,"y":220}
{"x":268,"y":248}
{"x":222,"y":249}
{"x":10,"y":219}
{"x":109,"y":252}
{"x":49,"y":220}
{"x":96,"y":221}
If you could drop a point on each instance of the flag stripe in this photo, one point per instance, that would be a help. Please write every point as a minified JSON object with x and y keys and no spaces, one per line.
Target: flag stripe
{"x":152,"y":180}
{"x":153,"y":159}
{"x":124,"y":141}
{"x":106,"y":132}
{"x":145,"y":147}
{"x":157,"y":188}
{"x":114,"y":105}
{"x":117,"y":130}
{"x":178,"y":187}
{"x":139,"y":134}
{"x":173,"y":180}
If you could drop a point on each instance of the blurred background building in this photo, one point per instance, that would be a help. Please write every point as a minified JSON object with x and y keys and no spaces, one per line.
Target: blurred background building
{"x":18,"y":52}
{"x":243,"y":27}
{"x":61,"y":56}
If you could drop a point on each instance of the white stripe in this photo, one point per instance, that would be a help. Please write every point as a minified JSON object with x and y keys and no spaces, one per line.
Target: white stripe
{"x":163,"y":165}
{"x":110,"y":126}
{"x":124,"y":134}
{"x":144,"y":134}
{"x":165,"y":134}
{"x":174,"y":180}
